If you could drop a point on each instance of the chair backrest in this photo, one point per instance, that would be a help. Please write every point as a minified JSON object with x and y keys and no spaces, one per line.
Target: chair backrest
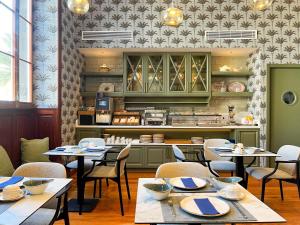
{"x":6,"y":167}
{"x":215,"y":142}
{"x":181,"y":169}
{"x":288,"y":152}
{"x":178,"y":154}
{"x":121,"y":160}
{"x":92,"y":141}
{"x":41,"y":169}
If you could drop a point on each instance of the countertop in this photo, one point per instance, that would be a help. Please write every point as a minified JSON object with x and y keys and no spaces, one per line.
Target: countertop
{"x":167,"y":127}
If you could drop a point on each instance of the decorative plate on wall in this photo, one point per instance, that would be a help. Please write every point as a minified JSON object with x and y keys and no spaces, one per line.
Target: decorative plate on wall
{"x":236,"y":87}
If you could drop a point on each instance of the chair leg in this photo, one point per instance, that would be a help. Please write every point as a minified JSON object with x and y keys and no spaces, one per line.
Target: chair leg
{"x":107,"y":184}
{"x":262,"y":198}
{"x":95,"y":187}
{"x":298,"y":185}
{"x":66,"y":210}
{"x":120,"y":196}
{"x":281,"y":189}
{"x":127,"y":185}
{"x":246,"y":180}
{"x":100,"y":188}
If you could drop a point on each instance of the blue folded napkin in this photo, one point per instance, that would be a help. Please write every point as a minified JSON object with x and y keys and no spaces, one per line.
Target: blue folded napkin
{"x":189,"y":183}
{"x":205,"y":206}
{"x":12,"y":180}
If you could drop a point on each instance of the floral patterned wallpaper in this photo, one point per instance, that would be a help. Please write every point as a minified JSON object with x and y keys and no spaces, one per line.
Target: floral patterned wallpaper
{"x":278,"y":32}
{"x":45,"y":53}
{"x":72,"y":63}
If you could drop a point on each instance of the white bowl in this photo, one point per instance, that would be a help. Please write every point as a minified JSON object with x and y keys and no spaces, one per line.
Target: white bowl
{"x":36,"y":187}
{"x":158,"y":191}
{"x":222,"y":182}
{"x":250,"y":150}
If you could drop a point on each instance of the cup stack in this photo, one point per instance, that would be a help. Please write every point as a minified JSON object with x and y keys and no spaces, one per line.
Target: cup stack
{"x":158,"y":138}
{"x":146,"y":138}
{"x":197,"y":140}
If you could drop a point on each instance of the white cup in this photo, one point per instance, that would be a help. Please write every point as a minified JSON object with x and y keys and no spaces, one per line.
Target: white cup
{"x":12,"y":192}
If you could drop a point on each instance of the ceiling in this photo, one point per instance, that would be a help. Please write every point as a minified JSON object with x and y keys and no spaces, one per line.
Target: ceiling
{"x":118,"y":52}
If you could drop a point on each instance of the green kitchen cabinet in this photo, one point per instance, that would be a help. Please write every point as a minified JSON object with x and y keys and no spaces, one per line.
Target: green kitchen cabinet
{"x":247,"y":137}
{"x":134,"y":74}
{"x":136,"y":158}
{"x":177,"y":73}
{"x":155,"y":156}
{"x":199,"y":73}
{"x":167,"y":74}
{"x":154,"y":73}
{"x":87,"y":133}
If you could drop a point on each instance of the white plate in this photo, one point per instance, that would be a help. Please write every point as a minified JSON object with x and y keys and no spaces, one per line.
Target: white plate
{"x":176,"y":182}
{"x":227,"y":196}
{"x":11,"y":200}
{"x":188,"y":204}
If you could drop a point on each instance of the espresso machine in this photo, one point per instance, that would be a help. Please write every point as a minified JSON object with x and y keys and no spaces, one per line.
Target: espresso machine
{"x":104,"y":109}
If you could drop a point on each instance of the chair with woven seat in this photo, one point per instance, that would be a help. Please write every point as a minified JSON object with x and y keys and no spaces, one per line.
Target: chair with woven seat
{"x":114,"y":173}
{"x":180,"y":157}
{"x":182,"y":169}
{"x":287,"y":165}
{"x":56,"y":208}
{"x":218,"y":163}
{"x":6,"y":166}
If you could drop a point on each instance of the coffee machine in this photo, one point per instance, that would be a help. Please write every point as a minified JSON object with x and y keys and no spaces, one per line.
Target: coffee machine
{"x":104,"y":109}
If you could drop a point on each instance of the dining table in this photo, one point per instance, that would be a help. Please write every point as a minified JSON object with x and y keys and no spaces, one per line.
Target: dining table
{"x":80,"y":204}
{"x":248,"y":210}
{"x":239,"y":159}
{"x":16,"y":212}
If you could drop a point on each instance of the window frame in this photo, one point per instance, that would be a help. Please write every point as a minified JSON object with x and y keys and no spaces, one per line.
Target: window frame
{"x":15,"y":54}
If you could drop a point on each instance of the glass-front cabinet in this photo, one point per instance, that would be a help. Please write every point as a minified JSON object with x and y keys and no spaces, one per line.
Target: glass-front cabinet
{"x":133,"y":77}
{"x":154,"y":73}
{"x":167,"y":74}
{"x":177,"y":73}
{"x":199,"y":73}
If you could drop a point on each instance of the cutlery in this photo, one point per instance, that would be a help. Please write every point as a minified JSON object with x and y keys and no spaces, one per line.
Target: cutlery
{"x":171,"y":204}
{"x":240,"y":211}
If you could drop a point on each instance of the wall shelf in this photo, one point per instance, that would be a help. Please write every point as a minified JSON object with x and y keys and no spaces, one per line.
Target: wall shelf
{"x":102,"y":74}
{"x":232,"y":94}
{"x":108,"y":94}
{"x":231,"y":74}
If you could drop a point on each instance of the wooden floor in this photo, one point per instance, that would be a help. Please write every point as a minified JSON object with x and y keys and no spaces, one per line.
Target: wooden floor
{"x":107,"y":211}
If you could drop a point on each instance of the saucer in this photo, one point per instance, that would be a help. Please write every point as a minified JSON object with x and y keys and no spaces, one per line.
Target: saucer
{"x":238,"y":196}
{"x":11,"y":199}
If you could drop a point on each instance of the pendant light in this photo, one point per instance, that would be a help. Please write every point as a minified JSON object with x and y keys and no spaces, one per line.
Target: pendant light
{"x":172,"y":16}
{"x":79,"y":6}
{"x":260,"y":4}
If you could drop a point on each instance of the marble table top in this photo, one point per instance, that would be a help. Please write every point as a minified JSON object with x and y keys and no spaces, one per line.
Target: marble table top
{"x":17,"y":212}
{"x":150,"y":211}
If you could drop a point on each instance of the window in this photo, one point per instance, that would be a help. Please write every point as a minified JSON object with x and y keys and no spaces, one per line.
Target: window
{"x":15,"y":51}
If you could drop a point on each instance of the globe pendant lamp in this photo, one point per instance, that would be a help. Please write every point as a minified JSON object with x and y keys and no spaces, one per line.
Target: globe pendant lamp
{"x":260,"y":4}
{"x":79,"y":6}
{"x":172,"y":16}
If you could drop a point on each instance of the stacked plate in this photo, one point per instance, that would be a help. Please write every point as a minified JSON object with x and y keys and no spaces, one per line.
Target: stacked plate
{"x":158,"y":138}
{"x":146,"y":138}
{"x":197,"y":140}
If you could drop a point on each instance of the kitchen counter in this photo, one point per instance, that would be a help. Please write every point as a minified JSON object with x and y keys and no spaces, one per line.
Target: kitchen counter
{"x":165,"y":127}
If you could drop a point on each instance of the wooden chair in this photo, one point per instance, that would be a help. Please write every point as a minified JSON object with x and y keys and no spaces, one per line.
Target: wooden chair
{"x":180,"y":157}
{"x":218,"y":163}
{"x":55,"y":209}
{"x":287,"y":166}
{"x":113,"y":173}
